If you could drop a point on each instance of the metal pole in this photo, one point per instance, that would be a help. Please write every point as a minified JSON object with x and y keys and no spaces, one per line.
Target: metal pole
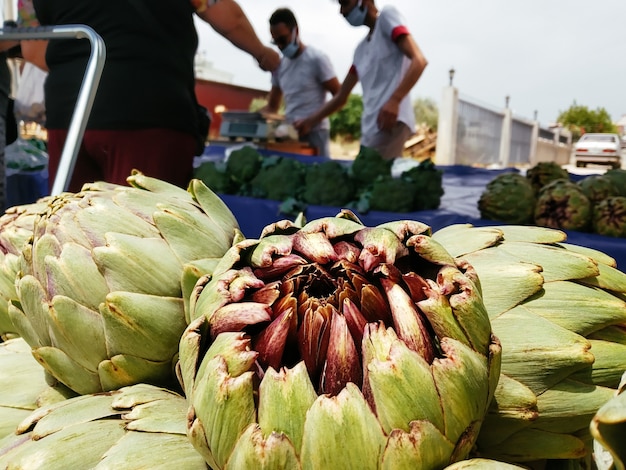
{"x":86,"y":94}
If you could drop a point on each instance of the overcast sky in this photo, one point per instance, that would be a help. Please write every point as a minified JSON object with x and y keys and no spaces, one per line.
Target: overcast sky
{"x":544,"y":54}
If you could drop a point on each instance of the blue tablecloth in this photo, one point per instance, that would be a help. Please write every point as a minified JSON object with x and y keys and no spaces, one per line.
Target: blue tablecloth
{"x":463,"y":186}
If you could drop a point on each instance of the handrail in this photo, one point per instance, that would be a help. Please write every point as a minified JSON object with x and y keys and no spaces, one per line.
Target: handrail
{"x":86,"y":94}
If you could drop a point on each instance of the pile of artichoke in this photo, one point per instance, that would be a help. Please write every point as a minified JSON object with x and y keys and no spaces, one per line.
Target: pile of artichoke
{"x":143,"y":331}
{"x":546,"y":197}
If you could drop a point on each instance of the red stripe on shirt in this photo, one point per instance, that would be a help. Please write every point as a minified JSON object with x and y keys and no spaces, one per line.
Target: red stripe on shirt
{"x":399,"y":31}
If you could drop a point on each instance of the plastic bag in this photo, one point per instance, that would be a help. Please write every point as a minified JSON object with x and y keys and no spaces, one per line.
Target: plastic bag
{"x":29,"y":99}
{"x":26,"y":167}
{"x":25,"y":155}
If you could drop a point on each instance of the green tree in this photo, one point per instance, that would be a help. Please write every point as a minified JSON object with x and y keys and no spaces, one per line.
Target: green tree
{"x":580,"y":119}
{"x":426,"y":112}
{"x":347,"y":121}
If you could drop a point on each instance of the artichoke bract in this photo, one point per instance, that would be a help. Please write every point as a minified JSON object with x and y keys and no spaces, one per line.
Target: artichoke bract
{"x":24,"y":385}
{"x":140,"y":426}
{"x":559,"y":311}
{"x":336,"y":345}
{"x":100,"y":296}
{"x":16,"y":229}
{"x":482,"y":464}
{"x":608,"y":428}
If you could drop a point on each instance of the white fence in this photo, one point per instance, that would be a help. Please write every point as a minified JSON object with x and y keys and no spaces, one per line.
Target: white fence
{"x":469,"y":133}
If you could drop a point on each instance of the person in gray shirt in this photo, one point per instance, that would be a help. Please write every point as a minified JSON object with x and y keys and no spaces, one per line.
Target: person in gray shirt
{"x":303,"y":79}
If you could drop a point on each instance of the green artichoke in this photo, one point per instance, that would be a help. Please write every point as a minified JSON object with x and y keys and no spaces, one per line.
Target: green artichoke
{"x":508,"y":198}
{"x":618,"y":177}
{"x":100,"y":295}
{"x":24,"y":386}
{"x":543,"y":173}
{"x":563,"y":205}
{"x":609,"y":217}
{"x":136,"y":427}
{"x":16,"y":229}
{"x":608,"y":428}
{"x":336,"y":345}
{"x":560,"y":312}
{"x":597,"y":188}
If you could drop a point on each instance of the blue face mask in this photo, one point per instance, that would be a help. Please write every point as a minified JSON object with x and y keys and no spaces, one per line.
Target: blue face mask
{"x":291,"y":49}
{"x":356,"y":16}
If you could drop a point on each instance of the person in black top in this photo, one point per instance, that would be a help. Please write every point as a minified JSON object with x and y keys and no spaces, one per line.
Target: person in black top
{"x":144,"y":114}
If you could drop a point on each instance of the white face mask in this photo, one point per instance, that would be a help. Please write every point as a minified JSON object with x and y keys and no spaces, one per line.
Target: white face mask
{"x":356,"y":16}
{"x":291,"y":49}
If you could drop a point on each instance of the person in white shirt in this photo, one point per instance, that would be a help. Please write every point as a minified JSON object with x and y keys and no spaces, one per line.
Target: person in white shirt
{"x":388,"y":63}
{"x":304,"y":79}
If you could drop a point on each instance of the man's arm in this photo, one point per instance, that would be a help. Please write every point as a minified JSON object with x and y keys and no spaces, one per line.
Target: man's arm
{"x":389,"y":112}
{"x":34,"y":51}
{"x":274,"y":99}
{"x":337,"y":102}
{"x":332,"y":86}
{"x":229,"y":20}
{"x":7,"y":44}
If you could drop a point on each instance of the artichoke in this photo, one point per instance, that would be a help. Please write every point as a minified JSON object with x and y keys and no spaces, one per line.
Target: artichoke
{"x":100,"y":296}
{"x":482,"y":464}
{"x":336,"y":345}
{"x":608,"y":428}
{"x":563,"y":205}
{"x":559,"y":311}
{"x":543,"y":173}
{"x":609,"y":217}
{"x":136,"y":427}
{"x":24,"y":385}
{"x":597,"y":188}
{"x":618,"y":177}
{"x":16,"y":229}
{"x":508,"y":198}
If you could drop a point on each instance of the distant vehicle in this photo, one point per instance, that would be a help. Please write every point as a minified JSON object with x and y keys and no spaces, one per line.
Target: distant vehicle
{"x":604,"y":149}
{"x":624,"y":141}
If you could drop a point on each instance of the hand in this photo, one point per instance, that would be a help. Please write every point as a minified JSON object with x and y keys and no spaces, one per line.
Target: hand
{"x":388,"y":115}
{"x":303,"y":126}
{"x":269,"y":59}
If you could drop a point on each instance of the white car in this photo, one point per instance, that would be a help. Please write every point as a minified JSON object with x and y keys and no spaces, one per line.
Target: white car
{"x":604,"y":149}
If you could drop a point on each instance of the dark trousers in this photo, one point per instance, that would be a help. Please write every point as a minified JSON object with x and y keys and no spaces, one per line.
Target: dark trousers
{"x":111,"y":155}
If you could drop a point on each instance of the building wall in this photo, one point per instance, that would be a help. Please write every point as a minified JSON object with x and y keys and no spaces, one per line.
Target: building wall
{"x":218,"y":97}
